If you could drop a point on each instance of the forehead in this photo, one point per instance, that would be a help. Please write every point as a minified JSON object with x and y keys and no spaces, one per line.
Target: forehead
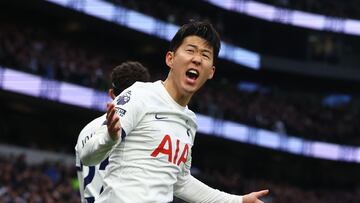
{"x":198,"y":42}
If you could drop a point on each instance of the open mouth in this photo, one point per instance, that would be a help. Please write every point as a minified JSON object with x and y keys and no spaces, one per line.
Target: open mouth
{"x":192,"y":74}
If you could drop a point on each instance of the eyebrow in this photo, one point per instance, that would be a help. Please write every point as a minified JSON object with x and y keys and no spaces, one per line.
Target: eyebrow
{"x":196,"y":47}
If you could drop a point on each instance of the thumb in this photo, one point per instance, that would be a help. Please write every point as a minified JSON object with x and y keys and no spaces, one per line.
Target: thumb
{"x":261,"y":193}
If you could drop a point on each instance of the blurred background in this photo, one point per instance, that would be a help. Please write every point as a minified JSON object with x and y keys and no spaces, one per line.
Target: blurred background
{"x":283,"y":111}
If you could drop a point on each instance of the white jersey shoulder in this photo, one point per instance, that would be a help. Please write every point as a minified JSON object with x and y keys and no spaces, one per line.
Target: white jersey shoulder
{"x":155,"y":152}
{"x":90,"y":177}
{"x":88,"y":131}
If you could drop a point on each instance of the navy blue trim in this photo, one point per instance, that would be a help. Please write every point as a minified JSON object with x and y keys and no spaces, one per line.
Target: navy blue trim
{"x":90,"y":199}
{"x":103,"y":164}
{"x":123,"y":134}
{"x":90,"y":176}
{"x":105,"y":122}
{"x":102,"y":189}
{"x":79,"y":168}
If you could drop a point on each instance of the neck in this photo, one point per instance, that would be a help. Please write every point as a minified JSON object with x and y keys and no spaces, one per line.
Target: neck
{"x":181,"y":98}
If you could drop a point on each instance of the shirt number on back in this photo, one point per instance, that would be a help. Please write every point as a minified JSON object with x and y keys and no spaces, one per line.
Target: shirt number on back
{"x":88,"y":179}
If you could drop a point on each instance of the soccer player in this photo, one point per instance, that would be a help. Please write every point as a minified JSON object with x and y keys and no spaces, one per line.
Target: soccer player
{"x":91,"y":177}
{"x":150,"y":130}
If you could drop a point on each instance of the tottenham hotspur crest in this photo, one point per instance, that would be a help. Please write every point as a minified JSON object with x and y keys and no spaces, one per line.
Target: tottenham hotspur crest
{"x":124,"y":98}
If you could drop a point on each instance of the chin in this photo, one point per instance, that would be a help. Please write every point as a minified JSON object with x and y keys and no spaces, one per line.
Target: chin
{"x":191,"y":90}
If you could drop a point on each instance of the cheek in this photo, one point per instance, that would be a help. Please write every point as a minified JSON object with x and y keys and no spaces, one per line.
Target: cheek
{"x":209,"y":71}
{"x":178,"y":62}
{"x":204,"y":78}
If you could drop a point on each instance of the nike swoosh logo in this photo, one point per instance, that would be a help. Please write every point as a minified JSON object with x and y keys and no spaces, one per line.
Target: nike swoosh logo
{"x":188,"y":132}
{"x":159,"y":117}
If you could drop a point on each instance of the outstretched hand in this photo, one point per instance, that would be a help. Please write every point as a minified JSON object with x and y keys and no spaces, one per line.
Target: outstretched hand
{"x":254,"y":196}
{"x":113,"y":122}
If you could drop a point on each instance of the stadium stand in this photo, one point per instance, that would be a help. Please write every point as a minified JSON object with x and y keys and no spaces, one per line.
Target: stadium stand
{"x":329,"y":8}
{"x":55,"y":181}
{"x":66,"y":51}
{"x":46,"y":182}
{"x":23,"y":48}
{"x":296,"y":43}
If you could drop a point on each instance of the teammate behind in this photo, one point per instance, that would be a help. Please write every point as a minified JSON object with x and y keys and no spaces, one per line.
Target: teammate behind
{"x":91,"y":177}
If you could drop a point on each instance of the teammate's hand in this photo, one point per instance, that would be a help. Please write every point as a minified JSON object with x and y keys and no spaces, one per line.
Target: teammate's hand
{"x":113,"y":122}
{"x":254,"y":196}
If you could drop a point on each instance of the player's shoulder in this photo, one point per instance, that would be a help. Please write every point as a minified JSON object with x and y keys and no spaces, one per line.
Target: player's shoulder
{"x":96,"y":122}
{"x":190,"y":113}
{"x":136,"y":93}
{"x":92,"y":126}
{"x":140,"y":89}
{"x":145,"y":85}
{"x":192,"y":117}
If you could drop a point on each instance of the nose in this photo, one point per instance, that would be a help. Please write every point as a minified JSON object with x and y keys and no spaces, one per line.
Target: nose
{"x":197,"y":59}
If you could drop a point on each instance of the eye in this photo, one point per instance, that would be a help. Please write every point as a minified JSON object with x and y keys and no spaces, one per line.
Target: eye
{"x":206,"y":56}
{"x":190,"y":51}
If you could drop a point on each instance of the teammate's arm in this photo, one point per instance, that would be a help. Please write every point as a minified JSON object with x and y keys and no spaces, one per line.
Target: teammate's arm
{"x":98,"y":147}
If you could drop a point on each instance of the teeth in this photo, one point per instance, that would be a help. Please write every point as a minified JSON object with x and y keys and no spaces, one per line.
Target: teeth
{"x":193,"y":72}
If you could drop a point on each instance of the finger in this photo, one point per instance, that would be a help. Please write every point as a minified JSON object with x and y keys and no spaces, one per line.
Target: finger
{"x":113,"y":123}
{"x":261,"y":193}
{"x":110,"y":114}
{"x":116,"y":128}
{"x":108,"y":110}
{"x":109,"y":106}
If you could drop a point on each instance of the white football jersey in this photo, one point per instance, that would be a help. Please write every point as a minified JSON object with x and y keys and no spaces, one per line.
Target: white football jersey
{"x":154,"y":154}
{"x":90,"y":177}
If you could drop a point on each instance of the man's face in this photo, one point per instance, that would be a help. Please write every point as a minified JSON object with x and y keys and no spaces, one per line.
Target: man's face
{"x":191,"y":64}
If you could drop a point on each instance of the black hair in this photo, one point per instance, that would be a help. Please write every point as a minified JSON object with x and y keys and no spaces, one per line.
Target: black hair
{"x":126,"y":74}
{"x":201,"y":29}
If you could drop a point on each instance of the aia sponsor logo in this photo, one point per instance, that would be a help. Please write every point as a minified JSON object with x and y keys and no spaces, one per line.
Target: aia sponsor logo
{"x":173,"y":157}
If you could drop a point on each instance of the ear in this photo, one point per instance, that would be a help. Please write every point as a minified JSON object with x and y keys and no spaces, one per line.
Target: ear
{"x":111,"y":94}
{"x":169,"y":58}
{"x":211,"y":75}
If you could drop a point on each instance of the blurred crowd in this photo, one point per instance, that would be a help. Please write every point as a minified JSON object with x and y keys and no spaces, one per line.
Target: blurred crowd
{"x":33,"y":50}
{"x":45,"y":183}
{"x":303,"y":115}
{"x":297,"y":113}
{"x":51,"y":182}
{"x":294,"y":112}
{"x":341,"y":9}
{"x":319,"y":47}
{"x":281,"y":192}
